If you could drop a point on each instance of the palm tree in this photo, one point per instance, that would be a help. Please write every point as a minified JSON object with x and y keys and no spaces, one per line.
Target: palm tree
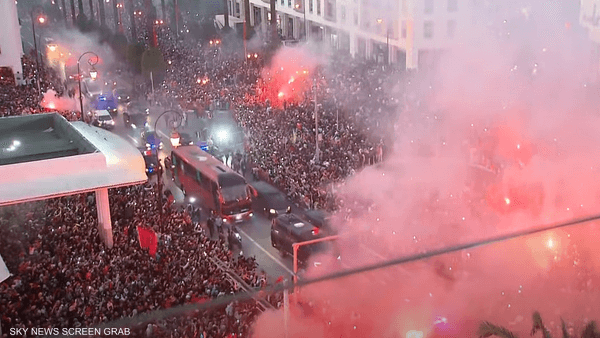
{"x":132,"y":16}
{"x":274,"y":36}
{"x":101,"y":12}
{"x":226,"y":14}
{"x":91,"y":10}
{"x":487,"y":329}
{"x":247,"y":25}
{"x":73,"y":15}
{"x":116,"y":14}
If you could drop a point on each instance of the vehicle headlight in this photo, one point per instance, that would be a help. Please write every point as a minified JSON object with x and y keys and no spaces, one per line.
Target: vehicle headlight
{"x":272,"y":211}
{"x":145,"y":124}
{"x":133,"y":126}
{"x":148,"y":145}
{"x":224,"y":220}
{"x":251,"y":214}
{"x":119,"y":97}
{"x":160,"y":145}
{"x":111,"y":122}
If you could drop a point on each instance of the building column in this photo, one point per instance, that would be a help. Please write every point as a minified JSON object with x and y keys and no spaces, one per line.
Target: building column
{"x":412,"y":53}
{"x":104,"y":222}
{"x":352,"y":46}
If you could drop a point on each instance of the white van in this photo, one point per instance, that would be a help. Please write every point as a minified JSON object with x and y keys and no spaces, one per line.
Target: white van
{"x":103,"y":119}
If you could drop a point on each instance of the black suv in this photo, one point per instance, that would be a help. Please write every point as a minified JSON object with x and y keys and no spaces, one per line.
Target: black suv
{"x":288,"y":229}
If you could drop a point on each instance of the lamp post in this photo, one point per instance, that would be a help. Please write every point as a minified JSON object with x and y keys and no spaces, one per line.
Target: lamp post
{"x":387,"y":41}
{"x":41,"y":20}
{"x":93,"y":74}
{"x":317,"y":150}
{"x":304,"y":14}
{"x":175,"y":138}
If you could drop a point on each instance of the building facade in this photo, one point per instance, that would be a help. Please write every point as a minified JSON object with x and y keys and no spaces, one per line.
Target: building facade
{"x":402,"y":32}
{"x":11,"y":49}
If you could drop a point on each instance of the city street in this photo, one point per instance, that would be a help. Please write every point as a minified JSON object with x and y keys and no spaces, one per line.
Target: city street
{"x":256,"y":234}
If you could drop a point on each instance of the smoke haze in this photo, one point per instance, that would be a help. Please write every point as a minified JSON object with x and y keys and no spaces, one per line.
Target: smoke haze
{"x":510,"y":99}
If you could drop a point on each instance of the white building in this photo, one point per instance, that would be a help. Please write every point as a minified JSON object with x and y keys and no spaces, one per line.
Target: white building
{"x":410,"y":29}
{"x":589,"y":18}
{"x":11,"y":49}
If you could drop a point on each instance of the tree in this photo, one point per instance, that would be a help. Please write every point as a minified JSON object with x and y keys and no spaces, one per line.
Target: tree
{"x":119,"y":45}
{"x":247,"y":26}
{"x":226,"y":13}
{"x":134,"y":56}
{"x":274,"y":35}
{"x":153,"y":62}
{"x":150,"y":22}
{"x":101,"y":12}
{"x":486,"y":329}
{"x":132,"y":16}
{"x":73,"y":15}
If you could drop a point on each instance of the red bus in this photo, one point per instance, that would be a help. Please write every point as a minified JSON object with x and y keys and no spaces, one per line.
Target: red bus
{"x":204,"y":178}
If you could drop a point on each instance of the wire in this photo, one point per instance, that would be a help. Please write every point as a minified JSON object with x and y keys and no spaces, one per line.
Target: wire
{"x":224,"y":301}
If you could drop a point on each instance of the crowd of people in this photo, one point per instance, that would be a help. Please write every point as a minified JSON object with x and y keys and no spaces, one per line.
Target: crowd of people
{"x":355,"y":115}
{"x":24,"y":97}
{"x":66,"y":277}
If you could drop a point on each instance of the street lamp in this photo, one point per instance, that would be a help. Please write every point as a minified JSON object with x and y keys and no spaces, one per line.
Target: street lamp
{"x":93,"y":74}
{"x":387,"y":41}
{"x":175,"y":138}
{"x":317,"y":150}
{"x":41,"y":19}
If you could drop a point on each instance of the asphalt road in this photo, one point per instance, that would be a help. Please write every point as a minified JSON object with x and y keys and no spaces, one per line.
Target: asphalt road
{"x":256,"y":234}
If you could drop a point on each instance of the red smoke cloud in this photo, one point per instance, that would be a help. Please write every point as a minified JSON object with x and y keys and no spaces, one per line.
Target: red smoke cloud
{"x":288,"y":77}
{"x":533,"y":142}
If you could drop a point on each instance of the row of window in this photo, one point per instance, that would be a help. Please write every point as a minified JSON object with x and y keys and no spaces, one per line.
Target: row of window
{"x":310,"y":5}
{"x":429,"y":5}
{"x":428,"y":28}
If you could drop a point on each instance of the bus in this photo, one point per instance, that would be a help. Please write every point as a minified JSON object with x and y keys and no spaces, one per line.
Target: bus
{"x":204,"y":178}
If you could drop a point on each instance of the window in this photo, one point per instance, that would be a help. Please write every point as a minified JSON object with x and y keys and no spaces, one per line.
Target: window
{"x":428,"y":6}
{"x":189,"y":170}
{"x":289,"y":3}
{"x":428,"y":30}
{"x":237,"y":8}
{"x":452,"y":5}
{"x":451,"y":29}
{"x":343,"y":13}
{"x":310,"y":6}
{"x":403,"y":32}
{"x":355,"y":19}
{"x":330,"y":9}
{"x":318,"y":7}
{"x":282,"y":2}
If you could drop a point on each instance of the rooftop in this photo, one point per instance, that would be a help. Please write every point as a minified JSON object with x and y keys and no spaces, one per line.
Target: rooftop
{"x":39,"y":137}
{"x":44,"y":156}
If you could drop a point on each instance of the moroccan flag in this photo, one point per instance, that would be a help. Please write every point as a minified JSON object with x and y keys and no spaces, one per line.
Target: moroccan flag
{"x":147,"y":238}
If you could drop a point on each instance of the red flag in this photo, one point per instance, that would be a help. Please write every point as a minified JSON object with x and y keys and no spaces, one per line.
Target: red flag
{"x":147,"y":238}
{"x":279,"y":280}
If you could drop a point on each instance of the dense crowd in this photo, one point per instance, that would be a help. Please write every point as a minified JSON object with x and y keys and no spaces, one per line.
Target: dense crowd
{"x":66,"y":277}
{"x":24,"y":97}
{"x":355,"y":116}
